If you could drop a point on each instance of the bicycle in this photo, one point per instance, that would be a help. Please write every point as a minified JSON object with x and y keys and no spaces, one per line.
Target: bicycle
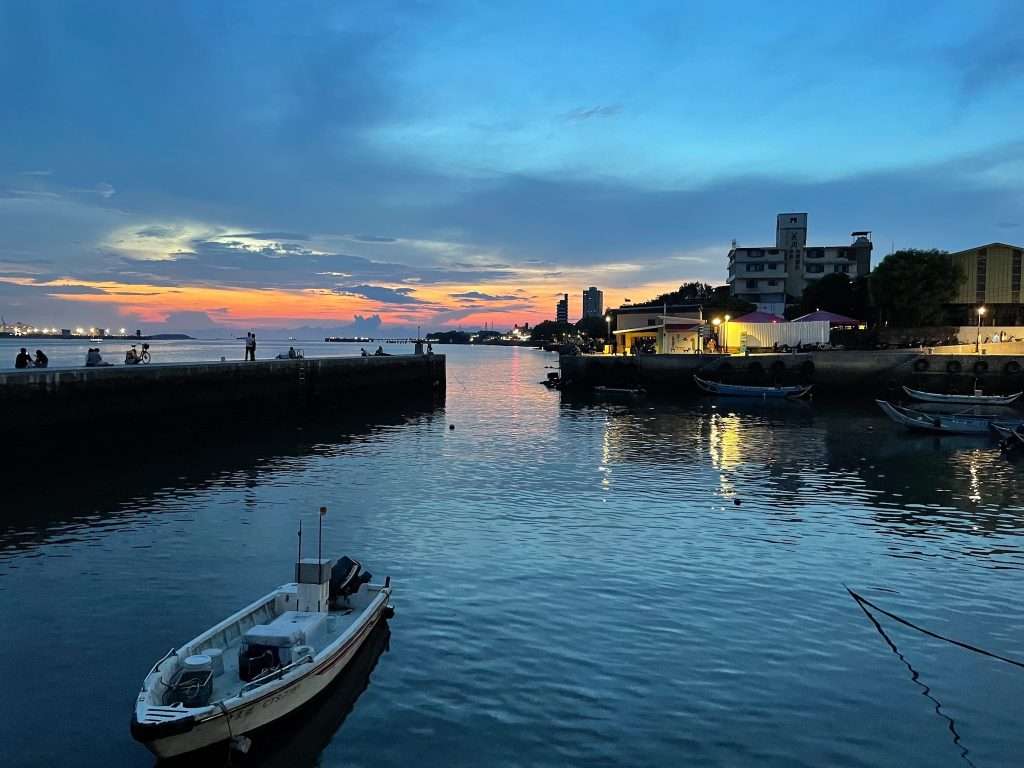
{"x":134,"y":357}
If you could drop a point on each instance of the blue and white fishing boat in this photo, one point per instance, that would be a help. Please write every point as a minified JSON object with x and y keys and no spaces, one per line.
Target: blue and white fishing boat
{"x":948,"y":423}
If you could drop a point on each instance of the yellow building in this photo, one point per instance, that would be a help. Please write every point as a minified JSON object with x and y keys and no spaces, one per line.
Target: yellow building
{"x":992,"y":279}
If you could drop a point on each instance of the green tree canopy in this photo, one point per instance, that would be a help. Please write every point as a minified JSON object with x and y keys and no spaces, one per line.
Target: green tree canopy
{"x":834,"y":293}
{"x":550,"y":330}
{"x":910,"y":287}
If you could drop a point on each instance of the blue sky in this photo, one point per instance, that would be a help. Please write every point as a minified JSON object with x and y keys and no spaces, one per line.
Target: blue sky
{"x":443,"y":163}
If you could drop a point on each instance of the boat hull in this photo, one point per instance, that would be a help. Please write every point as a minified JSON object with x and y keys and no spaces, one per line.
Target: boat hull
{"x":933,"y":397}
{"x":948,"y":424}
{"x":264,"y":705}
{"x":739,"y":390}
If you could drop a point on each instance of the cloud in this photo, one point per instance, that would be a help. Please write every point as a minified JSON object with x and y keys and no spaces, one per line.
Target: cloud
{"x":372,"y":239}
{"x":381,"y":293}
{"x":105,"y":190}
{"x":478,"y":296}
{"x":269,"y":236}
{"x":35,"y":173}
{"x":588,"y":113}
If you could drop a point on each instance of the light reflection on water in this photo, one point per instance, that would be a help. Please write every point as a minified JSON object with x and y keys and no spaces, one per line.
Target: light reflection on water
{"x":574,"y":580}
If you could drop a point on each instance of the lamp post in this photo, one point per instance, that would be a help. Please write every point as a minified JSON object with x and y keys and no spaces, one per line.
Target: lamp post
{"x":725,"y":333}
{"x":716,"y":322}
{"x":608,"y":319}
{"x":977,"y":342}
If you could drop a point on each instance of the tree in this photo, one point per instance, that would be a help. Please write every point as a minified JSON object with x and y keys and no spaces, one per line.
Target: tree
{"x":711,"y":298}
{"x":550,"y":330}
{"x":910,"y":287}
{"x":594,"y":327}
{"x":832,"y":293}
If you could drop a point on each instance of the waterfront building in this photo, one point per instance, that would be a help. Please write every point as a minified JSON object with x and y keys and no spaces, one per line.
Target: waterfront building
{"x":773,"y":276}
{"x":991,"y":279}
{"x":562,"y":309}
{"x":593,"y":302}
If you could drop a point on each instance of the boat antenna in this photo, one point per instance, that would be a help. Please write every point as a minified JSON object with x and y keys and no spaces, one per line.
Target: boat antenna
{"x":300,"y":551}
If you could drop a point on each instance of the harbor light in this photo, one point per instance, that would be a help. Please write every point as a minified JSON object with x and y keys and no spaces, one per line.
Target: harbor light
{"x":716,"y":322}
{"x":977,"y":341}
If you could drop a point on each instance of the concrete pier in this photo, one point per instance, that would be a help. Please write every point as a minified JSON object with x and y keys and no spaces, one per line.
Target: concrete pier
{"x":128,"y":396}
{"x":841,"y":373}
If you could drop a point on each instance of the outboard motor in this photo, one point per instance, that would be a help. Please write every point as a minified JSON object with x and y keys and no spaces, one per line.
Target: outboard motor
{"x":347,"y":576}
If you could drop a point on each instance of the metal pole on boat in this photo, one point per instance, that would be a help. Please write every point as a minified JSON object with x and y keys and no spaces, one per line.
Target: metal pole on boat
{"x":299,"y":560}
{"x":320,"y":551}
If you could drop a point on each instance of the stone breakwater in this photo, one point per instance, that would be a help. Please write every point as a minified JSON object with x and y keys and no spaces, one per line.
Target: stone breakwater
{"x":849,"y":374}
{"x":133,"y":396}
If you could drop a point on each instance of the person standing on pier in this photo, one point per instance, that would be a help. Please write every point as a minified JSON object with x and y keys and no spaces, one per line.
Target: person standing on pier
{"x":250,"y":346}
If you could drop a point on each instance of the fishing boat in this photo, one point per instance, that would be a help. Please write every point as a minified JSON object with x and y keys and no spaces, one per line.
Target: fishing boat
{"x":623,"y":391}
{"x":261,"y":663}
{"x":949,"y":423}
{"x":976,"y":399}
{"x":741,"y":390}
{"x":1009,"y":433}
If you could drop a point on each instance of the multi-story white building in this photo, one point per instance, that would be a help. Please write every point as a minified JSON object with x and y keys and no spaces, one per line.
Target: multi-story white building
{"x":772,"y":277}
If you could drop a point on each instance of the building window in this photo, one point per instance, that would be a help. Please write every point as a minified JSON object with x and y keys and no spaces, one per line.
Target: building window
{"x":792,"y":219}
{"x":1015,"y":275}
{"x":815,"y":253}
{"x":773,"y":282}
{"x":773,"y":265}
{"x":814,"y":269}
{"x":844,"y":268}
{"x":751,"y":283}
{"x":982,"y":276}
{"x":755,"y":267}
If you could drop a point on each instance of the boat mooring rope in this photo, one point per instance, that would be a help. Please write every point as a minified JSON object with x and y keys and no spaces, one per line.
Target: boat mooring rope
{"x":863,"y":601}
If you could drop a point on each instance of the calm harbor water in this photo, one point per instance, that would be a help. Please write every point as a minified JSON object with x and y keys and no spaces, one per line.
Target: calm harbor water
{"x":575,"y":582}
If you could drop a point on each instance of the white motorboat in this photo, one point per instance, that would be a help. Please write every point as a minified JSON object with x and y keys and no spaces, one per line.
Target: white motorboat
{"x":976,"y":399}
{"x":263,"y":662}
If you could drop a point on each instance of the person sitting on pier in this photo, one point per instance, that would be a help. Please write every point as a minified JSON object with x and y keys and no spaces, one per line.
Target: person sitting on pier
{"x":41,"y":361}
{"x":363,"y":352}
{"x":380,"y":352}
{"x":93,"y":359}
{"x":291,"y":353}
{"x":23,"y":360}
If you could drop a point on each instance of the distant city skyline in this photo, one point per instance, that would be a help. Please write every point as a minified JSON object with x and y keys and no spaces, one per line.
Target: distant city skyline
{"x":394,"y":166}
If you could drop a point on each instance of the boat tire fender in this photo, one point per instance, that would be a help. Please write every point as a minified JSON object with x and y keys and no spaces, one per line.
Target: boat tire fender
{"x":778,"y":366}
{"x":1012,"y":367}
{"x":921,"y":364}
{"x":981,"y":367}
{"x":953,"y":366}
{"x":807,"y":368}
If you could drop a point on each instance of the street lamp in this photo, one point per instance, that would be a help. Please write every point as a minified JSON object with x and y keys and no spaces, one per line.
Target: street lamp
{"x":725,"y":333}
{"x":608,"y":319}
{"x":977,"y":342}
{"x":716,"y":322}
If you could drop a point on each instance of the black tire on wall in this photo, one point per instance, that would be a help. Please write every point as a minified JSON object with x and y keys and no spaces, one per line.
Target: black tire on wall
{"x":921,"y":364}
{"x":1011,"y":368}
{"x":981,"y":367}
{"x":807,"y":369}
{"x":778,"y":366}
{"x":953,"y":366}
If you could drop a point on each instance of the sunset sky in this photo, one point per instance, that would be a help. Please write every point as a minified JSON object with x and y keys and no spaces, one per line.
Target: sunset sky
{"x":363,"y":166}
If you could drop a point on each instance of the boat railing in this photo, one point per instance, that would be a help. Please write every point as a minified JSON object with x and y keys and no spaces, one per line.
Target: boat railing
{"x":275,"y":674}
{"x":163,"y":658}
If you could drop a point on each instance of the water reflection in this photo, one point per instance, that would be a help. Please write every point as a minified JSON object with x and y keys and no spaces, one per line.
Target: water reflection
{"x":299,"y":739}
{"x":100,"y":481}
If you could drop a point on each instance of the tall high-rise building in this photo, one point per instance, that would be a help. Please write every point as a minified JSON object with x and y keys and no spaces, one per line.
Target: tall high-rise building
{"x":593,"y":302}
{"x":562,"y":309}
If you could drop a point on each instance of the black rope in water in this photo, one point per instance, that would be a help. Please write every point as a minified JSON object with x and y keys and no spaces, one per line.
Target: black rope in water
{"x":926,"y":691}
{"x":863,"y":601}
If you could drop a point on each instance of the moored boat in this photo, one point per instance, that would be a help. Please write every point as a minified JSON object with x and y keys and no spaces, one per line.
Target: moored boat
{"x":976,"y":399}
{"x":950,"y":423}
{"x":261,"y":663}
{"x":742,"y":390}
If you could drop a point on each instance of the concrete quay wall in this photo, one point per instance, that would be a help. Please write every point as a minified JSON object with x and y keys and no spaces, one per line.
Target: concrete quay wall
{"x":842,"y":373}
{"x":175,"y":391}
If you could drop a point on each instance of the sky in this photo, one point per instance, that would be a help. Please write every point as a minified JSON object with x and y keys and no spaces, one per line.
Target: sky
{"x":377,"y":166}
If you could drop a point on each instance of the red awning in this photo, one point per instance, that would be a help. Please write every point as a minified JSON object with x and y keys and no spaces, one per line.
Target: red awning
{"x":759,"y":317}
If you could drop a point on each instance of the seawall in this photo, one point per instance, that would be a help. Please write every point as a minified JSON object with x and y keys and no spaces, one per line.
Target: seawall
{"x":128,"y":397}
{"x":844,"y":373}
